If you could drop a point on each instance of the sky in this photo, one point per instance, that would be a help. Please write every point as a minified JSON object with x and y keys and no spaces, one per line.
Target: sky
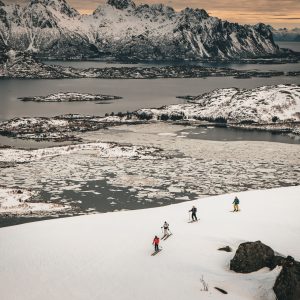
{"x":278,"y":13}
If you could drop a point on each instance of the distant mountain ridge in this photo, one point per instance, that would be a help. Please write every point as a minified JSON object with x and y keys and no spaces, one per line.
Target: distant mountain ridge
{"x":122,"y":29}
{"x":286,"y":35}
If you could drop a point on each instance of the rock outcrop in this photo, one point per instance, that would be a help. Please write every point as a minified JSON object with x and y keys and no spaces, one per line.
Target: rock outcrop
{"x":251,"y":257}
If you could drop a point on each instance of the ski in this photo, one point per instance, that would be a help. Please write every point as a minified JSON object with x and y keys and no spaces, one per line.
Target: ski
{"x":193,"y":221}
{"x":156,"y":252}
{"x":167,"y":236}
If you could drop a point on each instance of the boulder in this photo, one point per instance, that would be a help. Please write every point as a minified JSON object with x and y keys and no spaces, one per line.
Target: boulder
{"x":287,"y":285}
{"x":251,"y":257}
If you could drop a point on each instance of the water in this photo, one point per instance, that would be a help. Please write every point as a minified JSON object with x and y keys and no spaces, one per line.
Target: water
{"x":232,"y":134}
{"x":295,"y":46}
{"x":106,"y":184}
{"x":136,"y":93}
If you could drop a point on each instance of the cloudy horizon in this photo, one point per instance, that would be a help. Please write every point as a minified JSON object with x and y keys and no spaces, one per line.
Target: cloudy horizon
{"x":277,"y":13}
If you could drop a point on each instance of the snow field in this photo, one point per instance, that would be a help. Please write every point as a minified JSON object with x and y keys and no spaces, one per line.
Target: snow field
{"x":107,"y":256}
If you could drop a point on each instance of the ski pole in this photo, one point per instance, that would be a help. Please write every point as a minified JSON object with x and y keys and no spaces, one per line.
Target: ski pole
{"x":189,"y":216}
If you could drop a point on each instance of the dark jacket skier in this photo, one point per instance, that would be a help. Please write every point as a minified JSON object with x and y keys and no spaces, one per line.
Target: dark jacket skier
{"x":236,"y":203}
{"x":194,"y":211}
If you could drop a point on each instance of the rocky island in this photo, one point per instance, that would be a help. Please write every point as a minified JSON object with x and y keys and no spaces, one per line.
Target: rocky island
{"x":70,"y":97}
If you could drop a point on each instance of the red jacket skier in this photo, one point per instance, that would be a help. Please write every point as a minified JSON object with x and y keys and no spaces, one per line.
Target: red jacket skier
{"x":156,"y":243}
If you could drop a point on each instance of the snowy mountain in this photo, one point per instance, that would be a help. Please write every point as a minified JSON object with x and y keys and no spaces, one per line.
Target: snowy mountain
{"x":107,"y":256}
{"x":284,"y":34}
{"x":122,"y":29}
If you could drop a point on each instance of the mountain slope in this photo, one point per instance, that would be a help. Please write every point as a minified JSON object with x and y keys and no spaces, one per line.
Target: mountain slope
{"x":120,"y":28}
{"x":107,"y":256}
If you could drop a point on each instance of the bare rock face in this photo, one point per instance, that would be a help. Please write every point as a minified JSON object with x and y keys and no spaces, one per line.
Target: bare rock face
{"x":121,"y":4}
{"x":251,"y":257}
{"x":287,"y":285}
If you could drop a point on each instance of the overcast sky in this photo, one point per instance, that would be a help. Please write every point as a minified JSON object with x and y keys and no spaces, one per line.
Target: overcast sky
{"x":279,"y":13}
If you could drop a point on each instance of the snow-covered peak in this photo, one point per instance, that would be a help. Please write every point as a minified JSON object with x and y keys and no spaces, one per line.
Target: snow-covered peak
{"x":196,"y":13}
{"x":59,"y":5}
{"x":155,"y":9}
{"x":121,"y":4}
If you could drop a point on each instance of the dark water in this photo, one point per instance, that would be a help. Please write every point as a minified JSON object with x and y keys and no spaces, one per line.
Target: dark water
{"x":295,"y":46}
{"x":136,"y":93}
{"x":232,"y":134}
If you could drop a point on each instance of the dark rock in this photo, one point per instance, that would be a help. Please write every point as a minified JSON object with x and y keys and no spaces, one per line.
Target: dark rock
{"x":226,"y":249}
{"x":221,"y":290}
{"x":287,"y":285}
{"x":121,"y":4}
{"x":251,"y":257}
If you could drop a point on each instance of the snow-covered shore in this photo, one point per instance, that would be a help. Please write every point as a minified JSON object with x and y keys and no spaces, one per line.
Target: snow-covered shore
{"x":107,"y":256}
{"x":20,"y":202}
{"x":109,"y":150}
{"x":267,"y":106}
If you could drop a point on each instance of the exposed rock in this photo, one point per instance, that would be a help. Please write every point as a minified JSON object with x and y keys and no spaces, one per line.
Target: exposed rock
{"x":17,"y":64}
{"x":287,"y":285}
{"x":251,"y":257}
{"x":121,"y":4}
{"x":226,"y":249}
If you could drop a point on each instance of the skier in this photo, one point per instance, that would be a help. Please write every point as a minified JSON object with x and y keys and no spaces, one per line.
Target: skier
{"x":236,"y":203}
{"x":194,"y":210}
{"x":166,"y":229}
{"x":156,"y":243}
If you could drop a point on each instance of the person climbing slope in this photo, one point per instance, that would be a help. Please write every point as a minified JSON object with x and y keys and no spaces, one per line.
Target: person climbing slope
{"x":194,"y":211}
{"x":166,"y":229}
{"x":156,"y":243}
{"x":236,"y":203}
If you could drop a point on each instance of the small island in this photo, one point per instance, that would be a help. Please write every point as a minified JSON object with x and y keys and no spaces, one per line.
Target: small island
{"x":70,"y":97}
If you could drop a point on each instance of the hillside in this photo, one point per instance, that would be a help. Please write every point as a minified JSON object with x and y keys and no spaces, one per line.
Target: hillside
{"x":265,"y":104}
{"x":107,"y":256}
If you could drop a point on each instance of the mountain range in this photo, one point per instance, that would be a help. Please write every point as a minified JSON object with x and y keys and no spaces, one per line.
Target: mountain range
{"x":121,"y":29}
{"x":286,"y":35}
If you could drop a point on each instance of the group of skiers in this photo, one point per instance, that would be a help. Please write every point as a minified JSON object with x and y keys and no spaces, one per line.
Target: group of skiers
{"x":166,"y":229}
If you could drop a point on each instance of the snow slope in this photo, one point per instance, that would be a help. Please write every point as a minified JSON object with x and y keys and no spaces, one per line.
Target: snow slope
{"x":107,"y":256}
